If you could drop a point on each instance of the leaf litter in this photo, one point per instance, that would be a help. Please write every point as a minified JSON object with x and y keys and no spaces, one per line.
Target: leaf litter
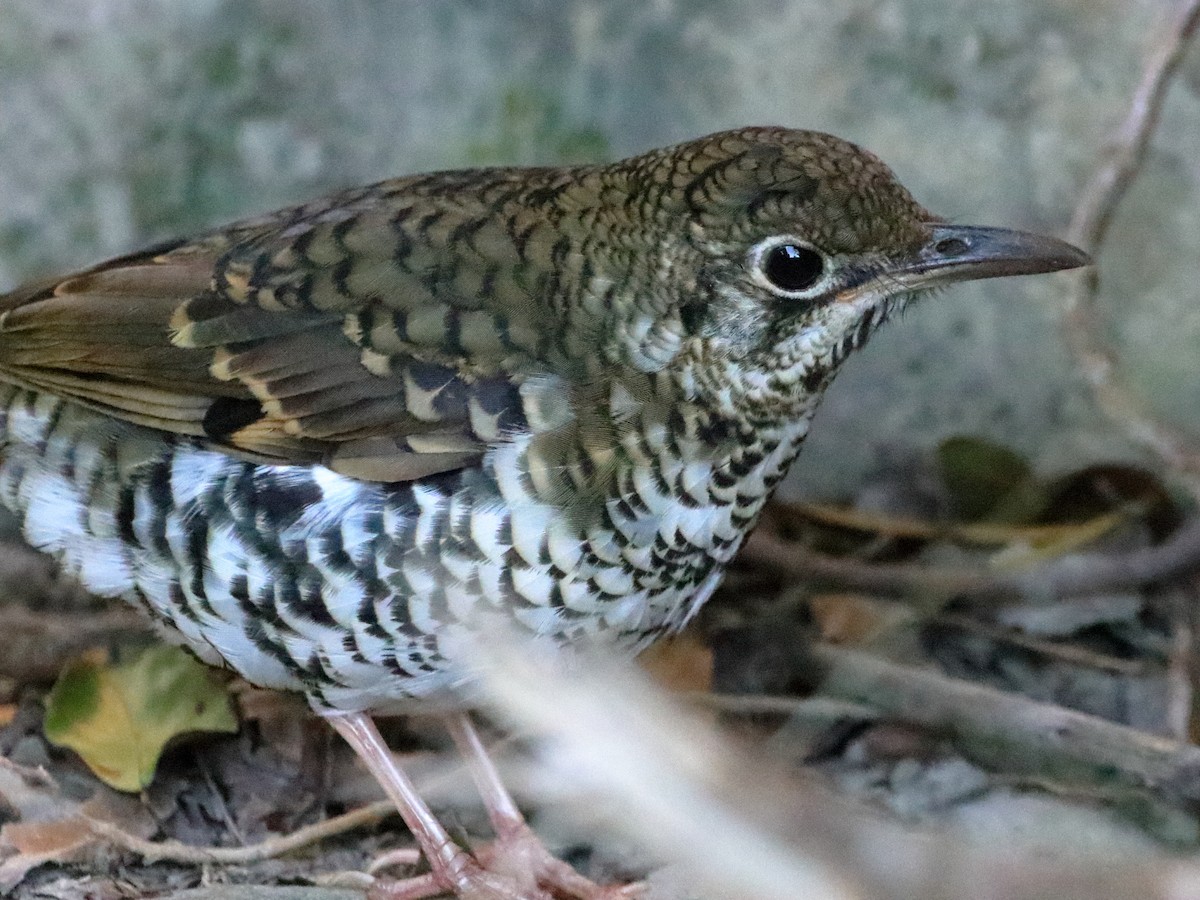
{"x":1108,"y":653}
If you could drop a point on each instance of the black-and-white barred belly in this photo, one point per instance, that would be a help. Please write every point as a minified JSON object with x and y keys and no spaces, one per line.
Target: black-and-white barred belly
{"x":362,"y":594}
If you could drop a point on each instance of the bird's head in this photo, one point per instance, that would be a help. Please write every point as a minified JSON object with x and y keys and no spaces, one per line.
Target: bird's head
{"x":789,"y":248}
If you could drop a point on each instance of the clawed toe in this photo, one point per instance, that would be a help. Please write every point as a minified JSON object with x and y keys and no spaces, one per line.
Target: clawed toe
{"x":520,"y":849}
{"x":472,"y":882}
{"x":516,"y":866}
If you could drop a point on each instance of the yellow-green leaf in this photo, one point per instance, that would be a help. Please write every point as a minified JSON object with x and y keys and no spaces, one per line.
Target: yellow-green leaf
{"x":987,"y":481}
{"x":118,"y":716}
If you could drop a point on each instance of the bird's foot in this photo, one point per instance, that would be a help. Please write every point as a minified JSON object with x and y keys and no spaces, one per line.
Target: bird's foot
{"x":518,"y":850}
{"x":466,"y":879}
{"x":516,"y":866}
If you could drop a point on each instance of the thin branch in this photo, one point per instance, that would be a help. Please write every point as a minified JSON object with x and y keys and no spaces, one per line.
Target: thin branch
{"x":1066,"y":576}
{"x":1125,"y":155}
{"x":39,"y":643}
{"x":174,"y":851}
{"x":1011,"y":732}
{"x":1071,"y":654}
{"x":1122,"y":163}
{"x":980,"y":533}
{"x":815,"y":710}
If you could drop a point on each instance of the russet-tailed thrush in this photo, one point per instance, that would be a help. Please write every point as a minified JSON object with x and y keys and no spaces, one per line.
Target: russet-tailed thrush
{"x":322,"y":446}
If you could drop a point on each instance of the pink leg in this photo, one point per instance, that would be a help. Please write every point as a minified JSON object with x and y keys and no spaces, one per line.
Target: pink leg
{"x":501,"y":808}
{"x":516,"y":844}
{"x":452,"y":868}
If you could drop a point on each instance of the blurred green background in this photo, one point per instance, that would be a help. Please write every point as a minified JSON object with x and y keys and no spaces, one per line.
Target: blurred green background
{"x":125,"y":121}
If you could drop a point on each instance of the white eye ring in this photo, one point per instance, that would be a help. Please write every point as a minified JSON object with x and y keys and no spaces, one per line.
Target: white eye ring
{"x":790,"y":267}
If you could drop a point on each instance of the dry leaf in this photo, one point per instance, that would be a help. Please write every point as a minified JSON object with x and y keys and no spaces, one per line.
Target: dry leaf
{"x":683,"y":663}
{"x":30,"y":794}
{"x":284,"y":719}
{"x":38,"y":843}
{"x":981,"y":533}
{"x":68,"y":835}
{"x":852,"y":619}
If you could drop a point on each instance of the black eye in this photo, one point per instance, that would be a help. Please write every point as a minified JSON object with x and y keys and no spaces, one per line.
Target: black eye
{"x":793,"y":267}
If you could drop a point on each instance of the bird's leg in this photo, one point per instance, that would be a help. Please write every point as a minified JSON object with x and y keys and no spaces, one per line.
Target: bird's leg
{"x":517,"y":846}
{"x":453,"y":869}
{"x":501,"y":808}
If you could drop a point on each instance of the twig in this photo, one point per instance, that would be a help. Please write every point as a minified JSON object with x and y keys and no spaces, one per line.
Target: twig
{"x":815,"y":710}
{"x":1124,"y":156}
{"x":1071,"y":654}
{"x":983,"y":533}
{"x":1109,"y":183}
{"x":39,"y":643}
{"x":1180,"y":663}
{"x":222,"y":806}
{"x":174,"y":851}
{"x":1063,"y":577}
{"x":1011,"y":732}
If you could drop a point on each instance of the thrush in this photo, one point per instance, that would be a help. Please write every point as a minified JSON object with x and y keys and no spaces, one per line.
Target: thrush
{"x":329,"y":446}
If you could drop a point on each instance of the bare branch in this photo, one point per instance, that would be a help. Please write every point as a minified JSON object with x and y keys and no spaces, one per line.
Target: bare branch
{"x":174,"y":851}
{"x":1003,"y":730}
{"x":1121,"y":164}
{"x":39,"y":643}
{"x":1125,"y":155}
{"x":1079,"y":573}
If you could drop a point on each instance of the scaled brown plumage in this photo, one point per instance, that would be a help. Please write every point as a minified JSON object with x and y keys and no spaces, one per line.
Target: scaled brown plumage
{"x":325,"y":446}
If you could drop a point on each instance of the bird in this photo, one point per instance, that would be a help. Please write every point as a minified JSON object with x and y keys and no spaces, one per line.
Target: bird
{"x":332,"y":447}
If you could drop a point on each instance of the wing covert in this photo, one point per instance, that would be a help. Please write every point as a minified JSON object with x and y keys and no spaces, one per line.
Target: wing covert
{"x":347,"y":331}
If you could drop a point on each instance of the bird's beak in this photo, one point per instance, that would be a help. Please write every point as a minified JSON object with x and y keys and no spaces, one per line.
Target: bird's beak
{"x":969,"y":252}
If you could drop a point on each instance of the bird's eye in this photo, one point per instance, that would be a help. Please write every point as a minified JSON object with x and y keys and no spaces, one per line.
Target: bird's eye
{"x":789,"y":267}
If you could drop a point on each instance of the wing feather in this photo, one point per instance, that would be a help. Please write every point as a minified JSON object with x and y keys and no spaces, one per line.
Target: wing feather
{"x":346,"y":332}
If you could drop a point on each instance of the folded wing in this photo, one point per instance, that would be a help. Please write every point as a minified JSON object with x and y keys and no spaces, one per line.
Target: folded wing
{"x":359,"y":332}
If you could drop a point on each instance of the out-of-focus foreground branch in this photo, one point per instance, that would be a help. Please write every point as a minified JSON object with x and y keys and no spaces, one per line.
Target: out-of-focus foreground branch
{"x":738,"y":826}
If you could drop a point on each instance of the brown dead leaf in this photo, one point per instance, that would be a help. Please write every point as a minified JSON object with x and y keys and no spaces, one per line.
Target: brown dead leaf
{"x":30,"y":794}
{"x":682,"y":663}
{"x":67,"y":835}
{"x":851,"y":618}
{"x":14,"y":869}
{"x":48,"y":829}
{"x":47,"y":840}
{"x":284,"y":719}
